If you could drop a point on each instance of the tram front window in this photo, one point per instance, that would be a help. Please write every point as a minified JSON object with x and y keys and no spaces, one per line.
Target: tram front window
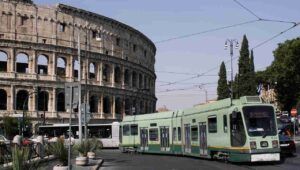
{"x":260,"y":120}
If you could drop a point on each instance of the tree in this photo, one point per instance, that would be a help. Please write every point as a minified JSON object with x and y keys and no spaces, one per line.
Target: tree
{"x":252,"y":79}
{"x":246,"y":76}
{"x":11,"y":126}
{"x":285,"y":69}
{"x":223,"y":91}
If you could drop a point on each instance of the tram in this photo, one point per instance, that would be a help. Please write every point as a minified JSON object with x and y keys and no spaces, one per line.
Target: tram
{"x":107,"y":133}
{"x":241,"y":130}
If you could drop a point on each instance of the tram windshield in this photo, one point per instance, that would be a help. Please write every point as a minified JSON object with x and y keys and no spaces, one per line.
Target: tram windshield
{"x":260,"y":120}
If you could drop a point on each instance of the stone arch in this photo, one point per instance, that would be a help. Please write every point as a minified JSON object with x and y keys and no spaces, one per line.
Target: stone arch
{"x":43,"y":99}
{"x":3,"y":61}
{"x":3,"y":100}
{"x":60,"y":102}
{"x":117,"y":74}
{"x":106,"y":105}
{"x":134,"y":79}
{"x":22,"y":63}
{"x":92,"y":71}
{"x":126,"y":77}
{"x":61,"y":67}
{"x":118,"y":105}
{"x":93,"y":104}
{"x":42,"y":64}
{"x":106,"y":73}
{"x":22,"y":100}
{"x":75,"y":68}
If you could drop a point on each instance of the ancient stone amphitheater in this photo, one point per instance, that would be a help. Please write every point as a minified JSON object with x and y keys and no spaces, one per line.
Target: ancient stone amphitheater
{"x":39,"y":54}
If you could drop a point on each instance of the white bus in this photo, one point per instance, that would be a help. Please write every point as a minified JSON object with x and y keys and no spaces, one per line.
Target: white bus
{"x":108,"y":133}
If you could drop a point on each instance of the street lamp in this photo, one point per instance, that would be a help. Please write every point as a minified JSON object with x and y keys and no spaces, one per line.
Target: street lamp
{"x":231,"y":43}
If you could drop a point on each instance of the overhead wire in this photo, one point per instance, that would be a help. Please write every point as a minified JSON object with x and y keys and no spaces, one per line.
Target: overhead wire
{"x":206,"y":31}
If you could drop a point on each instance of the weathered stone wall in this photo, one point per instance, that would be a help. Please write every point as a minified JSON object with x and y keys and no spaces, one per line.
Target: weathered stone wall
{"x":39,"y":45}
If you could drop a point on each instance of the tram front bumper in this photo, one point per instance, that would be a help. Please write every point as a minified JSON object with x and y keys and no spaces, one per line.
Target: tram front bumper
{"x":265,"y":157}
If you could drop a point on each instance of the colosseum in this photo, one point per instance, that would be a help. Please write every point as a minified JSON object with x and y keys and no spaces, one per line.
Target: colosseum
{"x":39,"y":49}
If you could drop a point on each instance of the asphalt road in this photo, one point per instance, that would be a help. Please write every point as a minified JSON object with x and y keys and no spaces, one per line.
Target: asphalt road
{"x":114,"y":160}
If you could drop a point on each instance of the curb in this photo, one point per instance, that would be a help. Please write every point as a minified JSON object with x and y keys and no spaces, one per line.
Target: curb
{"x":99,"y":163}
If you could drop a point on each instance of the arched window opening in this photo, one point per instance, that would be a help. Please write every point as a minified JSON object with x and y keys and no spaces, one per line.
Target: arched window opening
{"x":134,"y":107}
{"x":118,"y":105}
{"x":42,"y":64}
{"x":145,"y":82}
{"x":61,"y":67}
{"x":117,"y":74}
{"x":3,"y":62}
{"x":92,"y":69}
{"x":76,"y":68}
{"x":140,"y":81}
{"x":43,"y":99}
{"x":106,"y":73}
{"x":134,"y":79}
{"x":128,"y":106}
{"x":126,"y":77}
{"x":106,"y":105}
{"x":3,"y":100}
{"x":22,"y":63}
{"x":61,"y":102}
{"x":93,"y":104}
{"x":22,"y":99}
{"x":142,"y":108}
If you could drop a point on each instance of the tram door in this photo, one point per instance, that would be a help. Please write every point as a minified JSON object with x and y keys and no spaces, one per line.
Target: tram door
{"x":144,"y":139}
{"x":203,"y":138}
{"x":164,"y":138}
{"x":187,"y":133}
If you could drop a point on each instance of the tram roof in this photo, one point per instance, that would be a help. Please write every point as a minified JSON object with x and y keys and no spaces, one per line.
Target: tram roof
{"x":220,"y":104}
{"x":160,"y":115}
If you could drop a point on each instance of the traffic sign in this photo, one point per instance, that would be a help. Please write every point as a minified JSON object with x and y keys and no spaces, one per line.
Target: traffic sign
{"x":71,"y":88}
{"x":85,"y":108}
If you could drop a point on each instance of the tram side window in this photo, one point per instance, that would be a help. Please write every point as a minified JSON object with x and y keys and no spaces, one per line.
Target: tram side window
{"x":225,"y":123}
{"x":153,"y":134}
{"x":134,"y":129}
{"x":179,"y":133}
{"x":174,"y":134}
{"x":194,"y":133}
{"x":212,"y":124}
{"x":126,"y":130}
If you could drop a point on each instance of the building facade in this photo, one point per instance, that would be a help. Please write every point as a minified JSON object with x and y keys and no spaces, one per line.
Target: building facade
{"x":39,"y":54}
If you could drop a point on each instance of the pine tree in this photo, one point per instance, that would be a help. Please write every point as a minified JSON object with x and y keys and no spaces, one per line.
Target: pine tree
{"x":223,"y":89}
{"x":244,"y":69}
{"x":252,"y":78}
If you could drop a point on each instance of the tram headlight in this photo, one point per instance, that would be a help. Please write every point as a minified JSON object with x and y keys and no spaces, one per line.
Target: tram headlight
{"x":275,"y":143}
{"x":253,"y":145}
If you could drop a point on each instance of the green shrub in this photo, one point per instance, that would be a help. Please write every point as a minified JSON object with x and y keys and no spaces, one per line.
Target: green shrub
{"x":20,"y":156}
{"x":59,"y":150}
{"x":84,"y":147}
{"x":95,"y":145}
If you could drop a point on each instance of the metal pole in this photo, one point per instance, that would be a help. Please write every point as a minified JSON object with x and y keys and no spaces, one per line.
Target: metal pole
{"x":231,"y":77}
{"x":79,"y":90}
{"x":85,"y":87}
{"x":70,"y":121}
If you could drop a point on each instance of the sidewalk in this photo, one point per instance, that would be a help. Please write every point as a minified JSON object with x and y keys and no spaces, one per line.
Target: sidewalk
{"x":94,"y":164}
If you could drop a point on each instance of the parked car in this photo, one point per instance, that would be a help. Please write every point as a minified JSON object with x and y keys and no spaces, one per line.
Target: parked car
{"x":287,"y":145}
{"x":4,"y":140}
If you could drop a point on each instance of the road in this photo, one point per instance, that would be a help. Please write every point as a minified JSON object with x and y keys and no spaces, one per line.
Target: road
{"x":114,"y":160}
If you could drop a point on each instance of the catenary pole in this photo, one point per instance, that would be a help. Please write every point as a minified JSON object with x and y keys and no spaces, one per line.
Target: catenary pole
{"x":79,"y":90}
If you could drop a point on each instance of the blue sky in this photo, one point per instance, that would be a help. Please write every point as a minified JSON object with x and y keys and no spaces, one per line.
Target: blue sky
{"x":160,"y":20}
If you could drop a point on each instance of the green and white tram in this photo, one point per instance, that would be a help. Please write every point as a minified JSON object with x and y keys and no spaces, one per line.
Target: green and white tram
{"x":244,"y":131}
